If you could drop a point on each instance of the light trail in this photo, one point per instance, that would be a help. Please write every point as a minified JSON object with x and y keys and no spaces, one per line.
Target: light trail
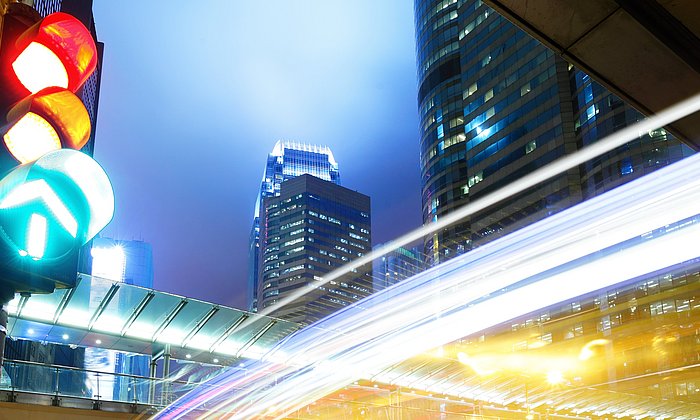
{"x":532,"y":268}
{"x":318,"y":379}
{"x":382,"y":350}
{"x":665,"y":117}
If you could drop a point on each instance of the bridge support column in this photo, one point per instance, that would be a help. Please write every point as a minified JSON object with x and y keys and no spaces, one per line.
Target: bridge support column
{"x":6,"y":295}
{"x":165,"y":396}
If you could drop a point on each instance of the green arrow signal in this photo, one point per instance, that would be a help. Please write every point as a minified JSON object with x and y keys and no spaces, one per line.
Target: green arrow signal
{"x":36,"y":241}
{"x":39,"y":189}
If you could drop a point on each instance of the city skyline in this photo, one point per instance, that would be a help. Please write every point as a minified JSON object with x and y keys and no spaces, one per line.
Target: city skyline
{"x":185,"y":120}
{"x":554,"y":274}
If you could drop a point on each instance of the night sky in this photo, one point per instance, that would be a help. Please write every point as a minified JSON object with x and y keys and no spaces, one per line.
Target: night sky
{"x":195,"y":94}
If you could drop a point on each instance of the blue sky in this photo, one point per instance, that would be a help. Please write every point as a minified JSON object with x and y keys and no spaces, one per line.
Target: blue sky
{"x":193,"y":98}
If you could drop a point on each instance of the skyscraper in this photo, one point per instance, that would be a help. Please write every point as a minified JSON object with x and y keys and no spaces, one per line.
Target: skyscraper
{"x":287,"y":160}
{"x":396,"y":266}
{"x":130,"y":262}
{"x":495,"y":105}
{"x":311,"y":228}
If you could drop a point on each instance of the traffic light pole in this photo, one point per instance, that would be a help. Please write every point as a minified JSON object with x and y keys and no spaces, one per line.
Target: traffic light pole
{"x":6,"y":295}
{"x":4,"y":290}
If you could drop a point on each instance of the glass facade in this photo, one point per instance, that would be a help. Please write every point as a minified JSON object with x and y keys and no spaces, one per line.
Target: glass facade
{"x":129,"y":262}
{"x":599,"y":113}
{"x":494,"y":105}
{"x":310,"y":229}
{"x":287,"y":160}
{"x":397,"y":265}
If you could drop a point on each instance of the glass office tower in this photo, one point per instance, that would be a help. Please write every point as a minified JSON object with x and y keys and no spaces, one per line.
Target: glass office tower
{"x":311,"y":228}
{"x":495,"y":105}
{"x":287,"y":160}
{"x":396,"y":266}
{"x":130,"y":262}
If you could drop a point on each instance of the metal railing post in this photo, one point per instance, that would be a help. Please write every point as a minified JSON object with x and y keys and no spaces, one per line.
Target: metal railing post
{"x":56,"y":401}
{"x":152,"y":382}
{"x":96,"y":403}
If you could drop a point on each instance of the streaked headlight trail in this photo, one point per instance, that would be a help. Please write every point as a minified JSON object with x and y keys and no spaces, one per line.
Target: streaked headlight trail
{"x":642,"y":227}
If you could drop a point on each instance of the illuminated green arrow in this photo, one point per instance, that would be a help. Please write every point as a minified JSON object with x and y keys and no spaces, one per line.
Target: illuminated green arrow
{"x":36,"y":242}
{"x":40,"y":190}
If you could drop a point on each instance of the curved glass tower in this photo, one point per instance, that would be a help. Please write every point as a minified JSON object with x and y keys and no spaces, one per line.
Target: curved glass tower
{"x":494,"y":105}
{"x":287,"y":160}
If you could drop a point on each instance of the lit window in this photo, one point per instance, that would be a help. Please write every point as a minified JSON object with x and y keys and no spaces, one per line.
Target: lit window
{"x":488,"y":95}
{"x":473,"y":180}
{"x":591,"y":111}
{"x":470,"y":91}
{"x":525,"y":89}
{"x":626,"y":166}
{"x":530,"y":146}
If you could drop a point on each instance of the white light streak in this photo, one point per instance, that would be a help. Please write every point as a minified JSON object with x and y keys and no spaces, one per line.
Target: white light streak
{"x":617,"y":139}
{"x":599,"y":243}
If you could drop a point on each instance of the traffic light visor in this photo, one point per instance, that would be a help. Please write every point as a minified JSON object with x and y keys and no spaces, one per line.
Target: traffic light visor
{"x":50,"y":206}
{"x":48,"y":120}
{"x":88,"y":177}
{"x":57,"y":51}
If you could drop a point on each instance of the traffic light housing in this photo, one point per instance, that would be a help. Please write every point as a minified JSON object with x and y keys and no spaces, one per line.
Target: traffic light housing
{"x":53,"y":198}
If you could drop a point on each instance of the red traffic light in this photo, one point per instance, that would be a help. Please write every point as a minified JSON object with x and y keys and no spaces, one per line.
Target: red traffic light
{"x":56,"y":51}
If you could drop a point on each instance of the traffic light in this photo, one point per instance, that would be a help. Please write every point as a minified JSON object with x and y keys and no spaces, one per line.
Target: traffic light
{"x":53,"y":198}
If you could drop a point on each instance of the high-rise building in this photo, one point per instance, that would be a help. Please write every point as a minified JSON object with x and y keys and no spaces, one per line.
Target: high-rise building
{"x":130,"y":262}
{"x":311,"y":228}
{"x":495,"y":105}
{"x":287,"y":160}
{"x":396,"y":266}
